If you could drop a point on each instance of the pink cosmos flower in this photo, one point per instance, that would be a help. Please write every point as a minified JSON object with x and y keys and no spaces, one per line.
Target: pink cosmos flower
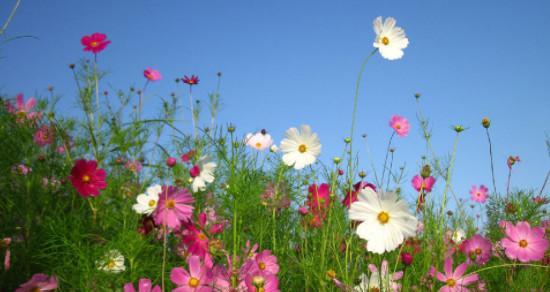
{"x":263,"y":262}
{"x":152,"y":74}
{"x":400,"y":125}
{"x":133,"y":166}
{"x":193,"y":80}
{"x":39,"y":282}
{"x":425,"y":184}
{"x":144,"y":285}
{"x":94,"y":43}
{"x":455,"y":281}
{"x":524,"y":243}
{"x":262,"y":282}
{"x":195,"y":239}
{"x":174,"y":207}
{"x":318,"y":201}
{"x":44,"y":135}
{"x":197,"y":279}
{"x":357,"y":187}
{"x":21,"y":169}
{"x":479,"y":194}
{"x":87,"y":179}
{"x":23,"y":109}
{"x":477,"y":249}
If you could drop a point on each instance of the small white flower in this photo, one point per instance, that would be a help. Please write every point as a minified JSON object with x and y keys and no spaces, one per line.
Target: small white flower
{"x":147,"y":203}
{"x":113,"y":262}
{"x":390,"y":39}
{"x":259,"y":141}
{"x":386,"y":220}
{"x":458,"y":235}
{"x":273,"y":148}
{"x":383,"y":277}
{"x":300,"y":148}
{"x":202,"y":173}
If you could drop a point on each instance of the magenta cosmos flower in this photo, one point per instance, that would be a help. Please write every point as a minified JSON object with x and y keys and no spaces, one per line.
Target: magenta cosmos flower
{"x":152,"y":74}
{"x":357,"y":187}
{"x":144,"y":285}
{"x":425,"y":184}
{"x":39,"y":282}
{"x":198,"y":279}
{"x":524,"y":243}
{"x":455,"y":280}
{"x":95,"y":43}
{"x":87,"y":179}
{"x":400,"y":125}
{"x":477,"y":249}
{"x":173,"y":207}
{"x":193,"y":80}
{"x":23,"y":109}
{"x":479,"y":194}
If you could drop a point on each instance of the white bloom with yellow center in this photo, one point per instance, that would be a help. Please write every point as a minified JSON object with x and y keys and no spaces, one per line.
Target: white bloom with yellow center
{"x":458,"y":235}
{"x":300,"y":148}
{"x":147,"y":203}
{"x":386,"y":220}
{"x":390,"y":39}
{"x":259,"y":141}
{"x":205,"y":175}
{"x":113,"y":262}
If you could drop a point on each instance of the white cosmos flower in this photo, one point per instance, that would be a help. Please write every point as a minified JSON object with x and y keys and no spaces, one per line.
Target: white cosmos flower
{"x":147,"y":203}
{"x":259,"y":141}
{"x":113,"y":262}
{"x":300,"y":148}
{"x":390,"y":39}
{"x":386,"y":220}
{"x":388,"y":280}
{"x":458,"y":235}
{"x":202,"y":173}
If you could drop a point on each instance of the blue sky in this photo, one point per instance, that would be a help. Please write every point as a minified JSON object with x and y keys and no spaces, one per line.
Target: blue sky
{"x":287,"y":63}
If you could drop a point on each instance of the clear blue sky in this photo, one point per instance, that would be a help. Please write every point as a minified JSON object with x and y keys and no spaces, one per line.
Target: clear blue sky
{"x":291,"y":62}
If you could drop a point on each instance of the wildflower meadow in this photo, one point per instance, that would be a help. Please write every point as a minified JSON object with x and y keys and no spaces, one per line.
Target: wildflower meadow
{"x":120,"y":196}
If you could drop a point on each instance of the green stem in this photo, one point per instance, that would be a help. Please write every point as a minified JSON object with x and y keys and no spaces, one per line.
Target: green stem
{"x":492,"y":165}
{"x":503,"y":266}
{"x":448,"y":182}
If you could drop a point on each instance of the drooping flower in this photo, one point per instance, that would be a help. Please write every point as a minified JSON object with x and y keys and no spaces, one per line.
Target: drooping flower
{"x":113,"y":262}
{"x":44,"y":135}
{"x":390,"y":39}
{"x":39,"y":282}
{"x":144,"y":285}
{"x":95,"y":42}
{"x":133,"y":166}
{"x":202,"y":173}
{"x":22,"y":109}
{"x":7,"y":256}
{"x":87,"y":179}
{"x":259,"y":141}
{"x":386,"y":220}
{"x":455,"y":281}
{"x":174,"y":207}
{"x":357,"y":187}
{"x":300,"y":148}
{"x":400,"y":125}
{"x":477,"y":249}
{"x":198,"y":278}
{"x":147,"y":203}
{"x":193,"y":80}
{"x":152,"y":74}
{"x":524,"y":243}
{"x":479,"y":194}
{"x":425,"y":184}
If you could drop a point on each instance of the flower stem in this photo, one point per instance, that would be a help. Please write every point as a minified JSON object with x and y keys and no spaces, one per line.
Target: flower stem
{"x":448,"y":182}
{"x":492,"y":165}
{"x":141,"y":93}
{"x":386,"y":160}
{"x":192,"y":110}
{"x":164,"y":244}
{"x":545,"y":182}
{"x":509,"y":180}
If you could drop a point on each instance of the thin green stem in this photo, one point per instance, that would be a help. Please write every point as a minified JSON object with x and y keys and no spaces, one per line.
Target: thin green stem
{"x":492,"y":165}
{"x":448,"y":181}
{"x":386,"y":160}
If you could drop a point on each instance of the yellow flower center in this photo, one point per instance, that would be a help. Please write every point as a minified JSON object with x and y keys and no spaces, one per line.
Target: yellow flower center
{"x":302,"y":148}
{"x":152,"y":203}
{"x":523,"y":243}
{"x":385,"y":41}
{"x":201,"y":236}
{"x":451,"y":282}
{"x":170,"y":204}
{"x":258,"y":282}
{"x":258,"y":145}
{"x":261,"y":265}
{"x":193,"y":282}
{"x":85,"y":178}
{"x":423,"y":185}
{"x":36,"y":289}
{"x":94,"y":44}
{"x":383,"y":217}
{"x":478,"y":251}
{"x":111,"y":264}
{"x":398,"y":126}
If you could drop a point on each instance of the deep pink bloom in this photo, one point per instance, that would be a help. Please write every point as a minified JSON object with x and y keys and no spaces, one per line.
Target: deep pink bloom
{"x":406,"y":258}
{"x":87,"y":179}
{"x":144,"y":285}
{"x":133,"y":166}
{"x":94,"y":43}
{"x":23,"y":109}
{"x":152,"y":74}
{"x":198,"y":278}
{"x":425,"y":184}
{"x":455,"y":280}
{"x":194,"y":171}
{"x":477,"y":249}
{"x":524,"y":243}
{"x":171,"y":161}
{"x":196,"y":240}
{"x":174,"y":207}
{"x":39,"y":282}
{"x":193,"y":80}
{"x":479,"y":194}
{"x":400,"y":125}
{"x":357,"y":187}
{"x":318,"y":201}
{"x":44,"y":135}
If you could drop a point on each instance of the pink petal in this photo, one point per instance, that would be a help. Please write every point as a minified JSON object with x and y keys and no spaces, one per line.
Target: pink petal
{"x":448,"y":266}
{"x":459,"y":271}
{"x":179,"y":276}
{"x":129,"y":287}
{"x":144,"y":285}
{"x":19,"y":101}
{"x":194,"y":266}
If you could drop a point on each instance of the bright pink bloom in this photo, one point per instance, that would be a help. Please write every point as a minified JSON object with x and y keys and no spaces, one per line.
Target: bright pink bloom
{"x":44,"y":135}
{"x":406,"y":258}
{"x":193,"y":80}
{"x":524,"y":243}
{"x":400,"y":125}
{"x":318,"y":201}
{"x":87,"y":179}
{"x":261,"y":282}
{"x":195,"y":171}
{"x":425,"y":184}
{"x":94,"y":43}
{"x":39,"y":282}
{"x":144,"y":285}
{"x":479,"y":194}
{"x":455,"y":280}
{"x":174,"y":207}
{"x":477,"y":249}
{"x":152,"y":74}
{"x":357,"y":187}
{"x":171,"y":161}
{"x":197,"y":279}
{"x":23,"y":109}
{"x":195,"y":240}
{"x":263,"y":262}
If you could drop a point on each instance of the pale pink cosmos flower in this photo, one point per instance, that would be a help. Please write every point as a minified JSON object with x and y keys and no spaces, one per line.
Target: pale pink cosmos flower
{"x":263,"y":262}
{"x":39,"y":282}
{"x":400,"y":125}
{"x":197,"y":279}
{"x":133,"y":166}
{"x":477,"y":249}
{"x":152,"y":74}
{"x":524,"y":243}
{"x":455,"y":281}
{"x":44,"y":135}
{"x":174,"y":207}
{"x":144,"y":285}
{"x":420,"y":183}
{"x":479,"y":194}
{"x":23,"y":109}
{"x":261,"y":282}
{"x":259,"y":141}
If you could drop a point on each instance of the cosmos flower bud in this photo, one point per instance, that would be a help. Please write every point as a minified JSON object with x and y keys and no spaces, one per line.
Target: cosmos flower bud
{"x":458,"y":128}
{"x":231,"y":129}
{"x":171,"y":161}
{"x":417,"y":95}
{"x":336,"y":159}
{"x":347,"y":140}
{"x":362,"y":174}
{"x":406,"y":258}
{"x":71,"y":66}
{"x":426,"y":171}
{"x":486,"y":123}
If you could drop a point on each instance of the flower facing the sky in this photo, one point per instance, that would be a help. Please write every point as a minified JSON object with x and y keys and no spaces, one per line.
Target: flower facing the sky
{"x":386,"y":220}
{"x":174,"y":207}
{"x":455,"y":280}
{"x":147,"y":203}
{"x":426,"y":184}
{"x":152,"y":74}
{"x":300,"y":148}
{"x":390,"y":39}
{"x":193,"y":80}
{"x":202,"y":173}
{"x":259,"y":141}
{"x":22,"y":109}
{"x":87,"y":179}
{"x":477,"y":249}
{"x":113,"y":262}
{"x":198,"y":278}
{"x":144,"y":285}
{"x":39,"y":282}
{"x":133,"y":166}
{"x":400,"y":125}
{"x":524,"y":243}
{"x":479,"y":194}
{"x":95,"y":43}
